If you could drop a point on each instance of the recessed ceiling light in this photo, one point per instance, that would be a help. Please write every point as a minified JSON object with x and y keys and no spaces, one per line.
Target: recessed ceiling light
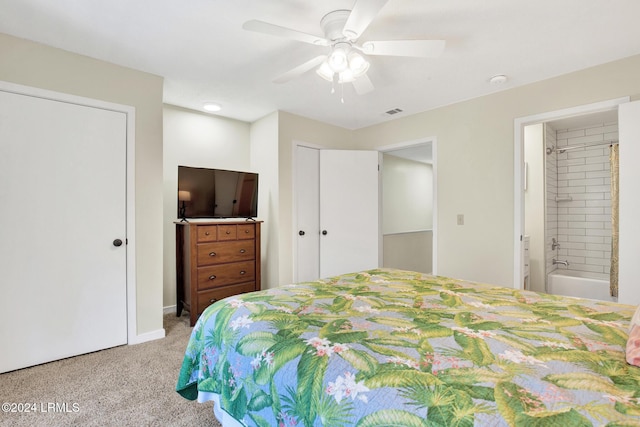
{"x":498,"y":79}
{"x":211,"y":107}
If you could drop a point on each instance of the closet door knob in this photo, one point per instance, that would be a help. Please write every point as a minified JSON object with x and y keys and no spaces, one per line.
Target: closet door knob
{"x":117,"y":242}
{"x":324,"y":232}
{"x":301,"y":232}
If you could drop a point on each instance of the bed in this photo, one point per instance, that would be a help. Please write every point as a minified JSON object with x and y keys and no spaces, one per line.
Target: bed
{"x":397,"y":348}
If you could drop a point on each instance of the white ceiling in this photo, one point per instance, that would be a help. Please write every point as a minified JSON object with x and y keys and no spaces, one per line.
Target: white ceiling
{"x":201,"y":50}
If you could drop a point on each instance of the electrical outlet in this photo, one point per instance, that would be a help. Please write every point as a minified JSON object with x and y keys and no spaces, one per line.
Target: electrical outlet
{"x":460,"y":219}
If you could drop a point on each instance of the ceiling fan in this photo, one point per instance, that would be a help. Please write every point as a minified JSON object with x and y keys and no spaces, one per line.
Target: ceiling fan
{"x":346,"y":60}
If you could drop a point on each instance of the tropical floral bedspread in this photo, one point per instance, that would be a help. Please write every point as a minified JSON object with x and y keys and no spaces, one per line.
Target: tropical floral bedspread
{"x":397,"y":348}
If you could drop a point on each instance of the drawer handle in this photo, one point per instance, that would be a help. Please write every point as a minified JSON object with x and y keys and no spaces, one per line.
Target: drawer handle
{"x":212,"y":300}
{"x":242,"y":251}
{"x":212,"y":254}
{"x":206,"y":233}
{"x":228,"y":232}
{"x":212,"y":277}
{"x":246,"y":231}
{"x":242,"y":272}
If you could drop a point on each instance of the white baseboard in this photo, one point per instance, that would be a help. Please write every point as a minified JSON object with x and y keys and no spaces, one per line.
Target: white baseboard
{"x":169,"y":309}
{"x":148,"y":336}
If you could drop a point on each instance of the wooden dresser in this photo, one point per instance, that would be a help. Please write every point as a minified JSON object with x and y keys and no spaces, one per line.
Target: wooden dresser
{"x":215,"y":260}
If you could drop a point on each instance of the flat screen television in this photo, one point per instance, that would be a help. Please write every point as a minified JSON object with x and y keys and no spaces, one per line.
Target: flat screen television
{"x":216,"y":193}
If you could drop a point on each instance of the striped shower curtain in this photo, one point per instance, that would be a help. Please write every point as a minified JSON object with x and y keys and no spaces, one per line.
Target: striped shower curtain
{"x":615,"y":174}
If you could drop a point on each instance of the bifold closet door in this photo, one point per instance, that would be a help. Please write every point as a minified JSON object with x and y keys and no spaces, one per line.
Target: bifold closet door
{"x":307,"y":214}
{"x":63,"y":230}
{"x":337,"y":212}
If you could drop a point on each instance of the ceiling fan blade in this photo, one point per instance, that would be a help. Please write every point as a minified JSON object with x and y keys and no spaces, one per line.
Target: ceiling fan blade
{"x":416,"y":48}
{"x":300,"y":69}
{"x":361,"y":16}
{"x":276,"y":30}
{"x":363,"y":85}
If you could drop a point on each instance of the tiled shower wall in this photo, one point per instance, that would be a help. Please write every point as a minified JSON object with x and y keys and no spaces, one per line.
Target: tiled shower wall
{"x":584,"y":223}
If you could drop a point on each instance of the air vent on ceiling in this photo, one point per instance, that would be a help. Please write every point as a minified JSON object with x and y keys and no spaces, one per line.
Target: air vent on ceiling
{"x":394,"y":111}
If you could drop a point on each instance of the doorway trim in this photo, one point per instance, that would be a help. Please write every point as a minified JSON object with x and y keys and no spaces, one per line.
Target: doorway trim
{"x":518,"y":168}
{"x":129,"y":111}
{"x":434,"y":145}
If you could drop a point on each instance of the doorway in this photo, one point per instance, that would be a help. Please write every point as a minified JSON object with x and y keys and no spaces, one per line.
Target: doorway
{"x":409,"y":206}
{"x":560,"y":118}
{"x":568,"y":204}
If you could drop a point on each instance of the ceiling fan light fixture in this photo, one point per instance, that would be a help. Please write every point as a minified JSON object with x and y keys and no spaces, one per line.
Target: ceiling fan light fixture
{"x":338,"y":59}
{"x":346,"y":76}
{"x":357,"y":64}
{"x":325,"y":71}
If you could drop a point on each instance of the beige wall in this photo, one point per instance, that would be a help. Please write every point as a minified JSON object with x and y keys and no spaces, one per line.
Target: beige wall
{"x":32,"y":64}
{"x":407,"y":195}
{"x":192,"y":138}
{"x":409,"y":251}
{"x":264,"y":160}
{"x":475,"y":161}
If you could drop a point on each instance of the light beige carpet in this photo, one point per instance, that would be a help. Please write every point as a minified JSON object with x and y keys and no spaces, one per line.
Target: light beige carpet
{"x":123,"y":386}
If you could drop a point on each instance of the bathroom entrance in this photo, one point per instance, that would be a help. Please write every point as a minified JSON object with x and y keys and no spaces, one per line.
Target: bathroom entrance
{"x":568,"y":203}
{"x":565,"y":134}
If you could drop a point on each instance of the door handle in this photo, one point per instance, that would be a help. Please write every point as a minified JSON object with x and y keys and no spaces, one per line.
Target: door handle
{"x":324,"y":232}
{"x":117,"y":242}
{"x":301,"y":233}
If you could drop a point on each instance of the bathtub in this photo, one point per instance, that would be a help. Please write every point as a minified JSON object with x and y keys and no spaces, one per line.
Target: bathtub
{"x":579,"y":284}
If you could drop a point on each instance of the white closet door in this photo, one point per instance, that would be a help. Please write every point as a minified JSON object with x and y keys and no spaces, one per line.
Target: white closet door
{"x":349,"y":211}
{"x":308,"y":214}
{"x":62,"y":186}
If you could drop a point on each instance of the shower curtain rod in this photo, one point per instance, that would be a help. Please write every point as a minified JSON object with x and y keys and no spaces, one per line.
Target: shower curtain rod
{"x":573,"y":147}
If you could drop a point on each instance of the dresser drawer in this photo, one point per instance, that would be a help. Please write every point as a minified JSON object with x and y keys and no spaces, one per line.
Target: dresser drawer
{"x":227,"y":232}
{"x":222,"y":252}
{"x":226,"y":274}
{"x":246,"y":231}
{"x":206,"y":298}
{"x":207,"y":233}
